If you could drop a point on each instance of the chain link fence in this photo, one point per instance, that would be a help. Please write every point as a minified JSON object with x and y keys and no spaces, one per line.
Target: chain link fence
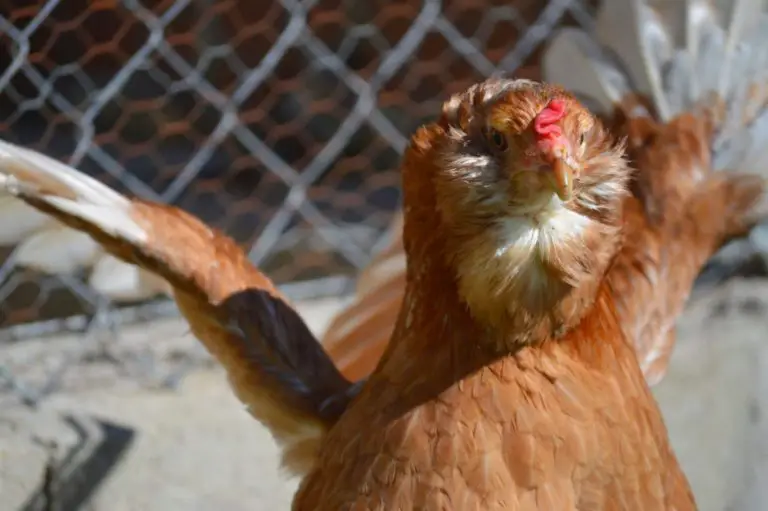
{"x":280,"y":122}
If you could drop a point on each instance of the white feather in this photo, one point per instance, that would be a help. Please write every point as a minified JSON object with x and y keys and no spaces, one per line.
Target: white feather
{"x":23,"y":171}
{"x":562,"y":227}
{"x":638,"y":37}
{"x":522,"y":237}
{"x":518,"y":237}
{"x":602,"y":86}
{"x":50,"y":247}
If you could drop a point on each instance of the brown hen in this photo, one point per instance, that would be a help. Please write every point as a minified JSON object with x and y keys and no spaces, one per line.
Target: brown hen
{"x":508,"y":383}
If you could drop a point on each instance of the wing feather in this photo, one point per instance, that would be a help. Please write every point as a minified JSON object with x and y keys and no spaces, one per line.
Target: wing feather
{"x":274,"y":363}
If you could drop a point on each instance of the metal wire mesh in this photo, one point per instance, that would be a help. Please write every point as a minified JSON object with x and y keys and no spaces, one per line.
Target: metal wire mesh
{"x":277,"y":121}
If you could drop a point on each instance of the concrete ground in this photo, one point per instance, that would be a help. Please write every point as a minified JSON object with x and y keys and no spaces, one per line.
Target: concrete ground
{"x":197,"y":449}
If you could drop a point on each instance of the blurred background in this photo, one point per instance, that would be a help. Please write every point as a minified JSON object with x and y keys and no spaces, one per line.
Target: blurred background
{"x":280,"y":122}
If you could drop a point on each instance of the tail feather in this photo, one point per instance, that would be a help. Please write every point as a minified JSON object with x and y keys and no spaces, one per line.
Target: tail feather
{"x":274,"y":363}
{"x":638,"y":38}
{"x":389,"y":262}
{"x":576,"y":59}
{"x":39,"y":179}
{"x":359,"y":334}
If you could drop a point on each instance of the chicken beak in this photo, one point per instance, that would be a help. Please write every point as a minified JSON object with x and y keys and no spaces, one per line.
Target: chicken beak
{"x":562,"y":174}
{"x":556,"y":154}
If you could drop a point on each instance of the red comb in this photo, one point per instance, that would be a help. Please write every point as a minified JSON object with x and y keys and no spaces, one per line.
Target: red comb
{"x":544,"y":123}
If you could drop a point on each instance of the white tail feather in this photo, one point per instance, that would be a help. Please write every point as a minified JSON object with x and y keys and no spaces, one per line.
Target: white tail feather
{"x":598,"y":82}
{"x":45,"y":245}
{"x":640,"y":42}
{"x":27,"y":173}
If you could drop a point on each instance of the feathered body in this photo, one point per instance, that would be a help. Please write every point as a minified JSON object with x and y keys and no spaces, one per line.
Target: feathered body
{"x":567,"y":425}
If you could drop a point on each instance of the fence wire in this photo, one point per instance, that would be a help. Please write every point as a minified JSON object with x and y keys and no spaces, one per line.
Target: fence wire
{"x":279,"y":122}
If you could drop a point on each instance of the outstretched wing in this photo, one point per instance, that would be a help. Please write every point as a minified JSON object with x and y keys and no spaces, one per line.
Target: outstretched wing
{"x":274,"y":363}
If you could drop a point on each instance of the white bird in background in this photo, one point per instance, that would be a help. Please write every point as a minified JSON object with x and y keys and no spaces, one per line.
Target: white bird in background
{"x":44,"y":244}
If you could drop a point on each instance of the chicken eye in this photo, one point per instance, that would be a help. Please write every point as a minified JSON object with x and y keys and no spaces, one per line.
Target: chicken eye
{"x":496,"y":138}
{"x":583,"y":142}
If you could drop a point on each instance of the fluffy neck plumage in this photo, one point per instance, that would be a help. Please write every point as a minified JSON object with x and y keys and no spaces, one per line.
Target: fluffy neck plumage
{"x":531,"y":275}
{"x":534,"y":274}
